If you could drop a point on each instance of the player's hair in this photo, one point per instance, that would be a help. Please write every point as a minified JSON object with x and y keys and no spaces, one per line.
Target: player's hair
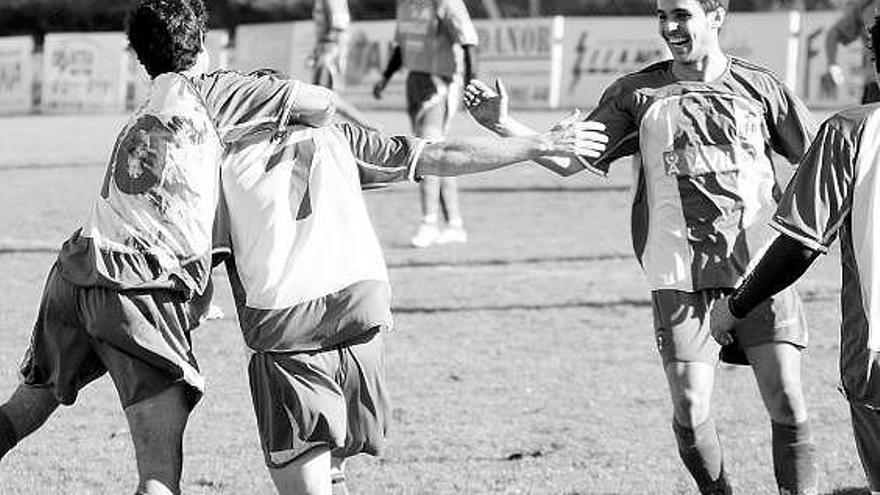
{"x":166,"y":35}
{"x":710,"y":5}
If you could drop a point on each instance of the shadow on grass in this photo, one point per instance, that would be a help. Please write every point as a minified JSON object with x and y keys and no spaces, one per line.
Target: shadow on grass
{"x":631,"y":303}
{"x":850,"y":491}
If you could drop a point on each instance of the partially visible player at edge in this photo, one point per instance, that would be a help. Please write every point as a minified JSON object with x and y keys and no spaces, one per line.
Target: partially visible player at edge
{"x":701,"y":128}
{"x":852,"y":26}
{"x":833,"y":193}
{"x":311,"y":307}
{"x":129,"y":286}
{"x":435,"y":43}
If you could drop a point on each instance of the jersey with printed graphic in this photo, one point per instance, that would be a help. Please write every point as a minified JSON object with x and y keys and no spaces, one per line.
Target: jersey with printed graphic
{"x":308,"y":269}
{"x":430,"y":34}
{"x":836,"y":192}
{"x":704,"y":184}
{"x":151,"y":226}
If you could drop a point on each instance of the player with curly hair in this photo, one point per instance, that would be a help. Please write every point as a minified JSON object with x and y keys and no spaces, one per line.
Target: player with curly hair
{"x":129,"y":286}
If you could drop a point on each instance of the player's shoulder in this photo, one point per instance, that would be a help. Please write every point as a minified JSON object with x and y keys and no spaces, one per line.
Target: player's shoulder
{"x":740,"y":67}
{"x":653,"y":75}
{"x":854,"y":122}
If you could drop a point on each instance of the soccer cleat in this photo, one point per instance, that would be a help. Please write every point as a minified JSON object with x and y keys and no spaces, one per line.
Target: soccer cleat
{"x":451,"y":235}
{"x":426,"y":235}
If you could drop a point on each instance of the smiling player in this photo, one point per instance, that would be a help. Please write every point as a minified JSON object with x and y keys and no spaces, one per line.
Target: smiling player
{"x":701,"y":128}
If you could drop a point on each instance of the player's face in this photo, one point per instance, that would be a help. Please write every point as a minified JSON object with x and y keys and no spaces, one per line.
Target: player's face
{"x":688,"y":30}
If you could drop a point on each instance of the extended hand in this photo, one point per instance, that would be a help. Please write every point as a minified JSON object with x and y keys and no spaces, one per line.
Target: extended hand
{"x":574,"y":137}
{"x":379,"y":88}
{"x":721,"y":322}
{"x":487,"y":106}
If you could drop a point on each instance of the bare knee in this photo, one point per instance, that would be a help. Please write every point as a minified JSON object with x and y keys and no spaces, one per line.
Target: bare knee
{"x":785,"y":402}
{"x":308,"y":474}
{"x":690,"y":385}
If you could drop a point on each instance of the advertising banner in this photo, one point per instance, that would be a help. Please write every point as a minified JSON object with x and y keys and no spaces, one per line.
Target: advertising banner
{"x":84,"y":72}
{"x":16,"y":74}
{"x":596,"y":51}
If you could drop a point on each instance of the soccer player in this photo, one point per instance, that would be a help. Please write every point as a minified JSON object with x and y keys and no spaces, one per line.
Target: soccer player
{"x":853,"y":25}
{"x":435,"y":42}
{"x":311,"y":286}
{"x":332,"y":20}
{"x":701,"y":128}
{"x":129,"y":286}
{"x":833,"y":193}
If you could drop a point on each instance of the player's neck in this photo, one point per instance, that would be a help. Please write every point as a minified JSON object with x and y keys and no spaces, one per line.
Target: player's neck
{"x":707,"y":68}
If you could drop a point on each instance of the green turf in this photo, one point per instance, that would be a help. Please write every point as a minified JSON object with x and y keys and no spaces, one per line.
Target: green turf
{"x":523,"y":362}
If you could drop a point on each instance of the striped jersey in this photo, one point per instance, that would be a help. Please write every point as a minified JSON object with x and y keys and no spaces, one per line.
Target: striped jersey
{"x":836,"y":192}
{"x":430,"y":34}
{"x":151,"y":225}
{"x":308,"y":270}
{"x":704,"y":184}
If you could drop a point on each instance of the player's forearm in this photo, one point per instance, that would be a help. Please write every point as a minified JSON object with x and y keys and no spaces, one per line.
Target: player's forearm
{"x":460,"y":156}
{"x":832,"y":40}
{"x":785,"y":261}
{"x":395,"y":62}
{"x":470,"y":64}
{"x":560,"y":165}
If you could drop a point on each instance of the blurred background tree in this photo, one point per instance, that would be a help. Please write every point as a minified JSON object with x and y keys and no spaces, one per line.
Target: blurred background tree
{"x":41,"y":16}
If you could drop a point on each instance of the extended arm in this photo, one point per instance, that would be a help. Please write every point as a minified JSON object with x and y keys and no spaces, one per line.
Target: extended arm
{"x":395,"y":62}
{"x":470,"y":63}
{"x":489,"y":107}
{"x":784,"y":262}
{"x":467,"y":155}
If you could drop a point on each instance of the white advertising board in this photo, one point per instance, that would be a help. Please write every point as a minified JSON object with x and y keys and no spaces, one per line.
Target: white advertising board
{"x":812,"y":64}
{"x":16,"y":74}
{"x":84,"y":72}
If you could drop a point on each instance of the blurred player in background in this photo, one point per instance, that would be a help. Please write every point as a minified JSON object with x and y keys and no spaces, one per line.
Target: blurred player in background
{"x":311,"y":286}
{"x":435,"y":43}
{"x":834,"y":193}
{"x":130,"y":285}
{"x":701,"y":128}
{"x":328,"y":60}
{"x":853,"y":25}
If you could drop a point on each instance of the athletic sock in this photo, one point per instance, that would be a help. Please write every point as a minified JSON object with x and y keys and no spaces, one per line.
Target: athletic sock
{"x":8,"y":437}
{"x":700,"y":449}
{"x":339,"y":486}
{"x":456,"y":222}
{"x":794,"y":459}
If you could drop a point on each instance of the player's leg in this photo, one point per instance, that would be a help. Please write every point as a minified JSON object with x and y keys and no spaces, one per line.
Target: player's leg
{"x":449,"y":197}
{"x":337,"y":476}
{"x":777,"y":367}
{"x":157,"y":424}
{"x":308,"y":474}
{"x":866,"y":429}
{"x":689,"y":357}
{"x":26,"y":410}
{"x":427,"y":109}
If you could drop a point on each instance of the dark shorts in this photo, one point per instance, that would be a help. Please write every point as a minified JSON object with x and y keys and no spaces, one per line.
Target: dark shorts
{"x":142,"y":338}
{"x":335,"y":398}
{"x":870,"y":93}
{"x":866,"y":428}
{"x":431,"y":102}
{"x":681,"y":325}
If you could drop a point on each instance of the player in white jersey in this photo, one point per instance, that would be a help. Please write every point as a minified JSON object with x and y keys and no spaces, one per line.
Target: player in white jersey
{"x":332,"y":20}
{"x":852,"y":26}
{"x":701,"y":128}
{"x":835,"y":193}
{"x":311,"y":286}
{"x":435,"y":43}
{"x":131,"y":284}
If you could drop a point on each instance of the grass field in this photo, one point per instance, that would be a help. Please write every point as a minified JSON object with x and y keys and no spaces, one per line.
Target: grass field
{"x":523,"y":362}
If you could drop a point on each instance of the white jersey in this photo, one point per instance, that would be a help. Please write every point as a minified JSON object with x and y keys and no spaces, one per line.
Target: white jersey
{"x":304,"y":248}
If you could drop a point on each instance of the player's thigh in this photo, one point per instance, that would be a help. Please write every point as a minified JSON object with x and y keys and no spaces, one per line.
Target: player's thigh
{"x":308,"y":474}
{"x":429,"y":104}
{"x":368,"y":406}
{"x":681,"y":329}
{"x":143,"y":339}
{"x":61,"y":356}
